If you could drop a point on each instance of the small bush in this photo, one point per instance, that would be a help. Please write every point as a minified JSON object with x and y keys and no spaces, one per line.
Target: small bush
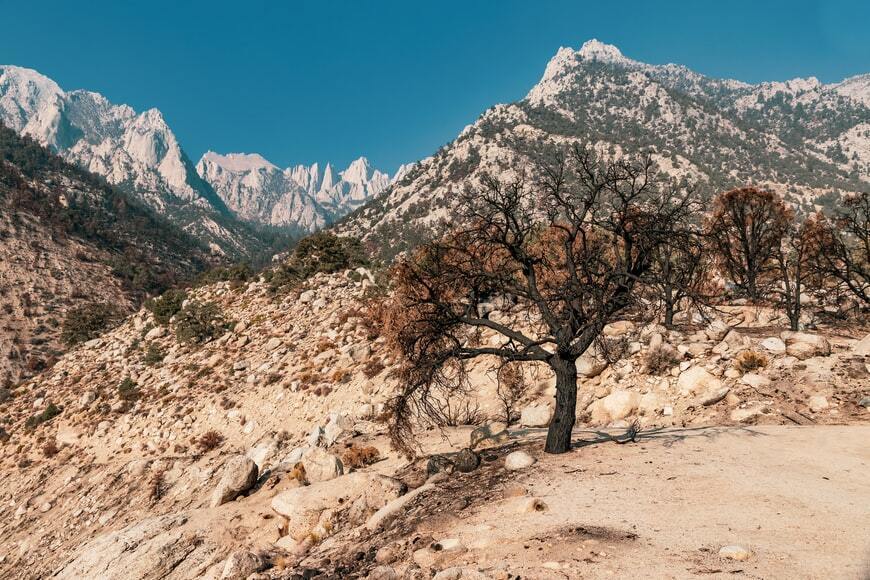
{"x":373,"y":368}
{"x":660,"y":359}
{"x":50,"y":449}
{"x":320,"y":252}
{"x":127,"y":390}
{"x":357,"y":457}
{"x":199,"y":322}
{"x":209,"y":440}
{"x":50,"y":413}
{"x":154,"y":355}
{"x":88,"y":321}
{"x":749,"y":360}
{"x":166,"y":306}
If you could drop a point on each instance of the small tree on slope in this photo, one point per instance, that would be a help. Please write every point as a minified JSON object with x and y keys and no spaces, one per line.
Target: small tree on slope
{"x":566,"y":251}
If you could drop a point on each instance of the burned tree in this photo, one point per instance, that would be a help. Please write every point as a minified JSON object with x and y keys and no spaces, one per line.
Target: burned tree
{"x":567,"y":249}
{"x":841,"y":247}
{"x":680,"y":275}
{"x":745,"y":228}
{"x":795,"y":273}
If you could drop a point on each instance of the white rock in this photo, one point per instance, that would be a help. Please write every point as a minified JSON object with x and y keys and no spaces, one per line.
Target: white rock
{"x":321,"y":466}
{"x":735,"y":552}
{"x":697,"y":380}
{"x":617,"y":405}
{"x":755,"y":380}
{"x":802,"y":345}
{"x":862,"y":347}
{"x":536,"y":416}
{"x":240,"y":475}
{"x":773,"y":345}
{"x":818,"y":403}
{"x":518,"y":460}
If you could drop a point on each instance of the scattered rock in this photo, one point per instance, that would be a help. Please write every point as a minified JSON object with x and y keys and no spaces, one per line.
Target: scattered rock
{"x":618,"y":328}
{"x":617,"y":405}
{"x":240,"y":475}
{"x":862,"y":347}
{"x":735,"y":552}
{"x":518,"y":460}
{"x":802,"y":345}
{"x":717,"y":330}
{"x":242,"y":564}
{"x":697,"y":380}
{"x":321,"y":465}
{"x":536,"y":416}
{"x":773,"y":345}
{"x":713,"y":396}
{"x":818,"y":403}
{"x":588,"y":366}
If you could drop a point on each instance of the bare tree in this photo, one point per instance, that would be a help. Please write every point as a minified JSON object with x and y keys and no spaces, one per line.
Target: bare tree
{"x":841,"y":250}
{"x":568,"y":248}
{"x":681,"y":275}
{"x":745,"y":228}
{"x":795,"y":273}
{"x":511,"y":387}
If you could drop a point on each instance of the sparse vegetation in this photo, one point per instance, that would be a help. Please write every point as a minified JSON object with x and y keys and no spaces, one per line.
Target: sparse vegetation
{"x":50,"y":412}
{"x":154,"y":355}
{"x":167,"y":305}
{"x":749,"y":360}
{"x":357,"y":457}
{"x":127,"y":390}
{"x":88,"y":321}
{"x":209,"y":440}
{"x":199,"y":322}
{"x":660,"y":359}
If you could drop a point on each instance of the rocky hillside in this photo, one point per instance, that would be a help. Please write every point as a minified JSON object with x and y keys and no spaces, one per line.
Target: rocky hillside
{"x":807,"y":140}
{"x":301,"y":197}
{"x":239,"y":429}
{"x":67,"y":239}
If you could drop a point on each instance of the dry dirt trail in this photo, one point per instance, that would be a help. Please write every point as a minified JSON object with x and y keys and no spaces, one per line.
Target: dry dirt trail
{"x":797,"y":497}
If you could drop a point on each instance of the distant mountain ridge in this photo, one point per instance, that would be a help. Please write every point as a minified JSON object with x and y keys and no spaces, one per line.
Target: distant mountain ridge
{"x":140,"y":153}
{"x":803,"y":138}
{"x":300,"y":196}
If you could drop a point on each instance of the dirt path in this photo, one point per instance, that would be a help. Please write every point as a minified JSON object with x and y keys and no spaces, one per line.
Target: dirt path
{"x":797,"y":497}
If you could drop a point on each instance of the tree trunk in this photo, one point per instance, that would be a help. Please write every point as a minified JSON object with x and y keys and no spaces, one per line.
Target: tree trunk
{"x":669,"y":315}
{"x":559,"y":434}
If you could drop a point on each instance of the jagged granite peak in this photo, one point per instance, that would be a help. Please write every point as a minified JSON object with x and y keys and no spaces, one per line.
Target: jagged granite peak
{"x":808,"y":140}
{"x":299,"y":197}
{"x":136,"y":151}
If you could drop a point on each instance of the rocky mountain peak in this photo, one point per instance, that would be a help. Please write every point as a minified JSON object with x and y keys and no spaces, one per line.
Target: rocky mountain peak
{"x":596,"y":50}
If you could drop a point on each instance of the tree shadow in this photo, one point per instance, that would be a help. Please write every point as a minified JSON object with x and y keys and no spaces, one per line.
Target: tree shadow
{"x":668,"y":436}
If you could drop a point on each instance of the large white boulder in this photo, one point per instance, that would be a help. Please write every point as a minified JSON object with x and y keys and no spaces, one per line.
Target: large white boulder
{"x":615,"y":406}
{"x":697,"y":380}
{"x":803,"y":345}
{"x":239,"y":475}
{"x":321,"y":465}
{"x":536,"y":416}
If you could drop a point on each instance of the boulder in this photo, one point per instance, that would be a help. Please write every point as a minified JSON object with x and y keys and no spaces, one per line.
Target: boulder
{"x":518,"y":460}
{"x":303,"y":506}
{"x":618,"y":328}
{"x":862,"y":347}
{"x":802,"y":345}
{"x":536,"y":416}
{"x":755,"y":380}
{"x":773,"y":345}
{"x":321,"y":466}
{"x":713,"y":396}
{"x":697,"y":380}
{"x":617,"y":405}
{"x":818,"y":403}
{"x":242,"y":564}
{"x":263,"y":452}
{"x":588,"y":366}
{"x":239,"y":475}
{"x":717,"y":330}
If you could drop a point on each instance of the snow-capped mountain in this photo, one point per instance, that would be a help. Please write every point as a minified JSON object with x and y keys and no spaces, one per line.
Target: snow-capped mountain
{"x":802,"y":138}
{"x":303,"y":197}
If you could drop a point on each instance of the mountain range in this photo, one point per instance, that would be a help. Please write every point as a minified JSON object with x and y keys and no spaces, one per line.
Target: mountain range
{"x":214,"y":200}
{"x":807,"y":140}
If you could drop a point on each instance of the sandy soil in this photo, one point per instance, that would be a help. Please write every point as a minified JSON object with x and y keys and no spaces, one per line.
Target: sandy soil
{"x":797,"y":497}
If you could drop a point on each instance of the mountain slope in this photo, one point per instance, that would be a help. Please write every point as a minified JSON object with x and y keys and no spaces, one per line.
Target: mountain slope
{"x":801,"y":137}
{"x":135,"y":151}
{"x":301,"y":197}
{"x":67,"y":239}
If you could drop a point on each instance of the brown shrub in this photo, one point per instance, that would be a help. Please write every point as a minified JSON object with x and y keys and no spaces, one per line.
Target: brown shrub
{"x":750,"y":360}
{"x":209,"y":440}
{"x":50,"y":449}
{"x":373,"y":368}
{"x":357,"y":457}
{"x":660,"y":359}
{"x":341,"y":376}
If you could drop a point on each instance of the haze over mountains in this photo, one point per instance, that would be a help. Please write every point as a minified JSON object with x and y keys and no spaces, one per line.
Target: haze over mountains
{"x":139,"y":152}
{"x":801,"y":138}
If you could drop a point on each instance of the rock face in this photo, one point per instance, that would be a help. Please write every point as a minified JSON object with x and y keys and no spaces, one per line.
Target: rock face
{"x":802,"y":345}
{"x":363,"y":492}
{"x":240,"y":475}
{"x":152,"y":548}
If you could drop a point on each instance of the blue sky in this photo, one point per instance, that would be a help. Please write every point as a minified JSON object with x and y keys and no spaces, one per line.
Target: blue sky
{"x":331,"y":80}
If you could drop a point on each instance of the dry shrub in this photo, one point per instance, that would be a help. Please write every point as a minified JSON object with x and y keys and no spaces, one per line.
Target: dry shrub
{"x":324,"y":344}
{"x":750,"y":360}
{"x":50,"y":449}
{"x":511,"y":387}
{"x":357,"y":457}
{"x":373,"y":368}
{"x":660,"y":359}
{"x":341,"y":376}
{"x":209,"y":440}
{"x":157,"y":485}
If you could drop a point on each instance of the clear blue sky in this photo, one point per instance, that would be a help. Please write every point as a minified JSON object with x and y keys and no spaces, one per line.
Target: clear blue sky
{"x":330,"y":80}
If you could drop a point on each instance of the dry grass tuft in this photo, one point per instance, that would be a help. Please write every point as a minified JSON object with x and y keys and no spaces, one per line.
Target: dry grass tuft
{"x":750,"y":360}
{"x":357,"y":457}
{"x":209,"y":440}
